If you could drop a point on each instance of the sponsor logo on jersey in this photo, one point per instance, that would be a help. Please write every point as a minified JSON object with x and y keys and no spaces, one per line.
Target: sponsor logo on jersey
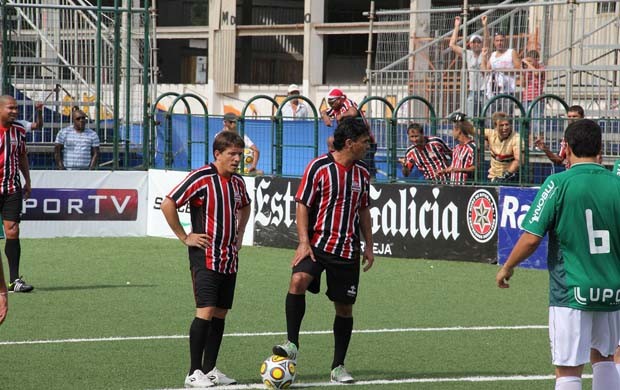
{"x":542,"y":201}
{"x":482,"y":216}
{"x":608,"y":296}
{"x":355,"y":186}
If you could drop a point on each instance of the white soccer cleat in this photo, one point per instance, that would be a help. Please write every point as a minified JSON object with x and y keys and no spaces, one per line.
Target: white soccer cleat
{"x":341,"y":375}
{"x":197,"y":380}
{"x":218,"y":378}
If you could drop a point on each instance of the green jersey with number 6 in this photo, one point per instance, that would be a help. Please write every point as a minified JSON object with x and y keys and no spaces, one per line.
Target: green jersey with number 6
{"x":580,"y":208}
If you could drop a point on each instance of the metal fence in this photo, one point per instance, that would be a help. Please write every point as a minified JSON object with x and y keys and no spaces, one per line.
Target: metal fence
{"x":72,"y":54}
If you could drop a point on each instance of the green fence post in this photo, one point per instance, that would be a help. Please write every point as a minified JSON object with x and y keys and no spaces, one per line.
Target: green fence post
{"x":189,"y":124}
{"x":242,"y":122}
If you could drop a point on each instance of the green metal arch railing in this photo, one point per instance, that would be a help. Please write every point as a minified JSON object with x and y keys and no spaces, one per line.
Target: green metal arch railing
{"x":242,"y":117}
{"x":153,"y":126}
{"x":279,"y":135}
{"x":391,"y":133}
{"x":168,"y":157}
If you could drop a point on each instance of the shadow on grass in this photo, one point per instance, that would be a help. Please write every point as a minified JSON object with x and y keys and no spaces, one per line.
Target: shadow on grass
{"x":95,"y":287}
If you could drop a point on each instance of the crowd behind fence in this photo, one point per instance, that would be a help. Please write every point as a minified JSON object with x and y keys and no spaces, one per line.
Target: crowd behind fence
{"x":184,"y":141}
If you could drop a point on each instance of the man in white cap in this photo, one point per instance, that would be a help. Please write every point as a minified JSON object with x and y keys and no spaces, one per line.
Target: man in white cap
{"x":296,"y":108}
{"x":473,"y":59}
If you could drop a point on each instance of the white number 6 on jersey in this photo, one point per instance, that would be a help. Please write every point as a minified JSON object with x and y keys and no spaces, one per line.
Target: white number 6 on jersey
{"x":603,"y":235}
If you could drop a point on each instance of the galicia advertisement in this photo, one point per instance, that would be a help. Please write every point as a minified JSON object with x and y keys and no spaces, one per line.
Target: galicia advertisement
{"x":420,"y":221}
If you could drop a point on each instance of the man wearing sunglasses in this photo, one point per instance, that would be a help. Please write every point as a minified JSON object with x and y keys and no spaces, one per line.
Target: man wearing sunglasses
{"x":76,"y":147}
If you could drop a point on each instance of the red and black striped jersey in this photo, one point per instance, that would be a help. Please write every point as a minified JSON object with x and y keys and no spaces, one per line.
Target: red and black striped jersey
{"x":432,"y":157}
{"x":334,"y":195}
{"x":214,"y":202}
{"x":462,"y":157}
{"x":344,"y":107}
{"x":12,"y":146}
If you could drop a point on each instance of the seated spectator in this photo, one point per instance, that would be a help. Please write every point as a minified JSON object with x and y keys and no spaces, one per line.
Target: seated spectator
{"x":505,"y":150}
{"x":295,"y":108}
{"x":462,"y":168}
{"x":430,"y":155}
{"x":76,"y":147}
{"x":251,"y":154}
{"x":574,"y":113}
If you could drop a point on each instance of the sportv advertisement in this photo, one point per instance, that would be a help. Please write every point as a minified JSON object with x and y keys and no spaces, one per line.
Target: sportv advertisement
{"x":420,"y":221}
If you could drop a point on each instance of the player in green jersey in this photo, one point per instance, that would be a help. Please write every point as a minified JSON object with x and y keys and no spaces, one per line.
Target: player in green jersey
{"x":579,"y":208}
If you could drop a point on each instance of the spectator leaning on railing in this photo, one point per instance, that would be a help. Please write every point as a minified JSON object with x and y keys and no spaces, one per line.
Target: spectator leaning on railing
{"x":463,"y":154}
{"x":574,"y":113}
{"x":430,"y":155}
{"x":504,"y":148}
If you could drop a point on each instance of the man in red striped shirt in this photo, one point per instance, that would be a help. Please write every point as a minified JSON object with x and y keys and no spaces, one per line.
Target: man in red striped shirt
{"x":332,"y":207}
{"x":13,"y":160}
{"x":430,"y":155}
{"x":219,"y":209}
{"x":341,"y":107}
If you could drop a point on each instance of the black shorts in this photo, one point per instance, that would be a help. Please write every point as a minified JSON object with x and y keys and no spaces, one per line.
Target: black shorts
{"x":213,"y":289}
{"x":343,"y":275}
{"x":11,"y":206}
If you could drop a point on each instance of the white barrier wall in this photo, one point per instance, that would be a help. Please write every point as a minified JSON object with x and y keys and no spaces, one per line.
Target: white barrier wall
{"x":105,"y":204}
{"x":160,"y":183}
{"x":85,"y":204}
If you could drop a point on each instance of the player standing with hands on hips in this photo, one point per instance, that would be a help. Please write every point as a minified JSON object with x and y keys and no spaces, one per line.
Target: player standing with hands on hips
{"x":219,"y":209}
{"x":583,"y":260}
{"x":332,"y":208}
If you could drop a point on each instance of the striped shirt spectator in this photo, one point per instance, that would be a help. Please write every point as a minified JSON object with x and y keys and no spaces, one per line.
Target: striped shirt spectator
{"x":214,"y":202}
{"x":462,"y":157}
{"x":327,"y":188}
{"x":12,"y":146}
{"x":430,"y":155}
{"x":78,"y":145}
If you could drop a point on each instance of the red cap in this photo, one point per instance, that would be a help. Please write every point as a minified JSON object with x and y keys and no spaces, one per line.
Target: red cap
{"x":334,"y":93}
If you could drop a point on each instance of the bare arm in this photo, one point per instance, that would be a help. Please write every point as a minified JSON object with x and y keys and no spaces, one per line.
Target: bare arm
{"x":456,"y":48}
{"x":484,"y":63}
{"x":24,"y":168}
{"x":4,"y":296}
{"x":169,"y":208}
{"x":485,"y":32}
{"x":58,"y":156}
{"x":303,"y":248}
{"x":94,"y":157}
{"x":38,"y":117}
{"x":254,"y":164}
{"x":516,"y":60}
{"x":366,"y":229}
{"x":243,"y":215}
{"x":524,"y":248}
{"x":326,"y":119}
{"x":554,"y":158}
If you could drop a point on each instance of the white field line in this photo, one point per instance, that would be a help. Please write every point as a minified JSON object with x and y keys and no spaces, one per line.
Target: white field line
{"x":260,"y":334}
{"x":407,"y":380}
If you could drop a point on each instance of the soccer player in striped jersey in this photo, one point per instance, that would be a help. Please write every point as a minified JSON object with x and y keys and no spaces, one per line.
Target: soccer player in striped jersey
{"x":332,"y":208}
{"x":430,"y":155}
{"x":579,"y":209}
{"x":13,"y":160}
{"x":219,"y":209}
{"x":462,"y":167}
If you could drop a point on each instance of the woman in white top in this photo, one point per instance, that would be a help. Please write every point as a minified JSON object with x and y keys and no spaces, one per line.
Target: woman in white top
{"x":500,"y":81}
